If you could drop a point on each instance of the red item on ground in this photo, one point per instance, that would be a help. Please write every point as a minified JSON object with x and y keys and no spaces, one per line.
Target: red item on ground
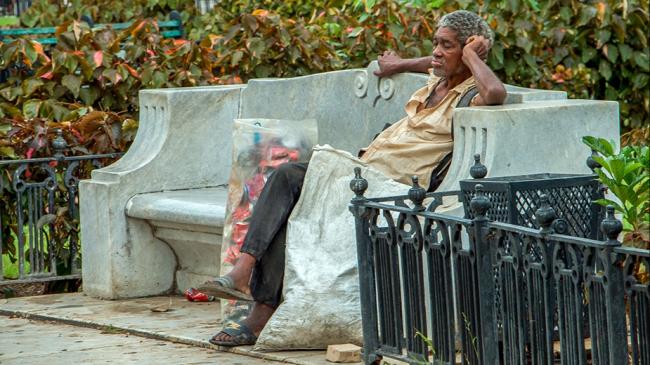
{"x":194,"y":295}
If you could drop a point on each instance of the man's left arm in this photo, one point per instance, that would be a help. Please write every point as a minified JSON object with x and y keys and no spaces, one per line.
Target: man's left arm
{"x":490,"y":89}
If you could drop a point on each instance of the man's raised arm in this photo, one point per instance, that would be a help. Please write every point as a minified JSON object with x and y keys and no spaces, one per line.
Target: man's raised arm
{"x":490,"y":88}
{"x":391,"y":63}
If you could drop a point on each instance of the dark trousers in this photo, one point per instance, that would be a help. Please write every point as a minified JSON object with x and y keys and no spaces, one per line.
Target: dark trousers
{"x":267,"y":232}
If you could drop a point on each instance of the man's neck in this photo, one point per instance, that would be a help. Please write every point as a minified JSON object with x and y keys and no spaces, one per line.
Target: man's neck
{"x":456,"y":79}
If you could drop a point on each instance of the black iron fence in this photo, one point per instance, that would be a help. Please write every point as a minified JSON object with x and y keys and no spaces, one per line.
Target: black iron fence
{"x":429,"y":290}
{"x":39,"y":216}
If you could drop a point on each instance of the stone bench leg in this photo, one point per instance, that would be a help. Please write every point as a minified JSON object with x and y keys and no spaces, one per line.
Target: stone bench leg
{"x":121,"y":257}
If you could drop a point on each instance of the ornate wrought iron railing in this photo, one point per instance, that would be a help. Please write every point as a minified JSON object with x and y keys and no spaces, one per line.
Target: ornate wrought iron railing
{"x":39,"y":215}
{"x":428,"y":287}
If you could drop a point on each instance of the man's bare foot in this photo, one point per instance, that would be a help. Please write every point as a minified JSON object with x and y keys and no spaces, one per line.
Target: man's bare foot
{"x":255,"y":322}
{"x":235,"y":284}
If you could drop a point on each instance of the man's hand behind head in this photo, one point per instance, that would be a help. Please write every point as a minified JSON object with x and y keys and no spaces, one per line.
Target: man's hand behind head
{"x":478,"y":44}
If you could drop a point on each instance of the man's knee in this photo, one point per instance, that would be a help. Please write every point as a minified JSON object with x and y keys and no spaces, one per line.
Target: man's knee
{"x":291,"y":172}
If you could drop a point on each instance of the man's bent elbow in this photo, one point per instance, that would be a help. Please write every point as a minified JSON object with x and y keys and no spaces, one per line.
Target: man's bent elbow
{"x":496,"y":95}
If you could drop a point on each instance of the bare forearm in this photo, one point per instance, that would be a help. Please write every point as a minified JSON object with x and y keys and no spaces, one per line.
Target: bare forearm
{"x":489,"y":86}
{"x":420,"y":64}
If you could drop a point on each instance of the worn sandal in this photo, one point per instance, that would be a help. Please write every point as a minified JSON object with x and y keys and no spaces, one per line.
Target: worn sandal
{"x":224,"y":287}
{"x":240,"y":335}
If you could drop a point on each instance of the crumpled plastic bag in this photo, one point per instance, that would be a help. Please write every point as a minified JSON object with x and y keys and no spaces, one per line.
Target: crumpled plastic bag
{"x":259,"y":147}
{"x":321,"y":286}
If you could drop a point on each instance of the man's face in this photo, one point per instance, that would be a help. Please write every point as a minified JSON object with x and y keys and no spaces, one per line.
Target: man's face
{"x":447,"y":53}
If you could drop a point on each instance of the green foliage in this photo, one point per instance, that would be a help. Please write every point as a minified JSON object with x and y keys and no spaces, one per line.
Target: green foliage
{"x":593,"y":49}
{"x":10,"y":269}
{"x":626,"y":175}
{"x":51,"y":13}
{"x":6,"y":21}
{"x":88,"y":85}
{"x":589,"y":49}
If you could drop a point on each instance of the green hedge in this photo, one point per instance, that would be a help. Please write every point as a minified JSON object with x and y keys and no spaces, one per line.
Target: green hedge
{"x":591,"y":50}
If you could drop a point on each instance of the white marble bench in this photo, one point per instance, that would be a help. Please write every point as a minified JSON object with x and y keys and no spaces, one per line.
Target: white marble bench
{"x":152,"y":222}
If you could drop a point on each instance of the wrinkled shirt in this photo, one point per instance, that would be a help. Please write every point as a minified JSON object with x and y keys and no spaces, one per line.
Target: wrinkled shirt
{"x":417,"y":143}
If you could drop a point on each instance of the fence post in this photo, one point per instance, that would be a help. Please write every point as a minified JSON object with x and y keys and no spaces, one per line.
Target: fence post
{"x":614,"y":285}
{"x":480,"y":204}
{"x":365,"y":257}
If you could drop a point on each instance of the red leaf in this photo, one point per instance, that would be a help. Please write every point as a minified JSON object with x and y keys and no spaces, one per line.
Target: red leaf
{"x":133,"y":72}
{"x":47,"y":75}
{"x":137,"y":28}
{"x":98,"y":57}
{"x":39,"y":49}
{"x":78,"y":135}
{"x":29,"y":153}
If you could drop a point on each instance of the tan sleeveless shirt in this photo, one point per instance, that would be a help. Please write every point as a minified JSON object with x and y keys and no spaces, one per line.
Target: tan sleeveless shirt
{"x":418,"y":142}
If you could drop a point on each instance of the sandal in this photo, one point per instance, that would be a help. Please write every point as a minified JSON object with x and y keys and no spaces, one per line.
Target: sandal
{"x":224,"y":287}
{"x":240,"y":335}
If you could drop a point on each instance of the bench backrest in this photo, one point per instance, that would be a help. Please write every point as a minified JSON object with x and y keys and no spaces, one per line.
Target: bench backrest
{"x":350,"y":106}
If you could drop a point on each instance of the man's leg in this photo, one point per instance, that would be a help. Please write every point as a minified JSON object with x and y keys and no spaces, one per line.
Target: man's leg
{"x":266,"y":285}
{"x":261,"y":265}
{"x":270,"y":215}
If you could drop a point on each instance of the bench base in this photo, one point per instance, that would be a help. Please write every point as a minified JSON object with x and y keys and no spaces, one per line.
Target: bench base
{"x":191,"y":223}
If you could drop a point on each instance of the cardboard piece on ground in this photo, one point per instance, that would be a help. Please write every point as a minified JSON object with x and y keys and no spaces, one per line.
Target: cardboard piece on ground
{"x":343,"y":353}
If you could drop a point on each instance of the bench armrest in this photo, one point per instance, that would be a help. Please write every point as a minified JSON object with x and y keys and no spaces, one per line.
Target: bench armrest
{"x":533,"y":137}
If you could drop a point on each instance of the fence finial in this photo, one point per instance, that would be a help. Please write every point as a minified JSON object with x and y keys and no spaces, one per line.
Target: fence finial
{"x":591,"y":163}
{"x":417,"y":194}
{"x":545,"y":215}
{"x":478,"y":170}
{"x":611,"y":227}
{"x":480,"y":203}
{"x":358,"y":185}
{"x":59,"y":145}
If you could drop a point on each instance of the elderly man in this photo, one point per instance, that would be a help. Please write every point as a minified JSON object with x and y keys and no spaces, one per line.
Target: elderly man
{"x":416,"y":145}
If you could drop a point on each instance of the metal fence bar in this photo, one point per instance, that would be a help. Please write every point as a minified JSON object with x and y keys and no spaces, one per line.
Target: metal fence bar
{"x":639,"y":305}
{"x":365,"y":256}
{"x":438,"y":254}
{"x":484,"y":283}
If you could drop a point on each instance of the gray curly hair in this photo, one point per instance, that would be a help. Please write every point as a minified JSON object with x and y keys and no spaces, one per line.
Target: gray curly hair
{"x":466,"y":24}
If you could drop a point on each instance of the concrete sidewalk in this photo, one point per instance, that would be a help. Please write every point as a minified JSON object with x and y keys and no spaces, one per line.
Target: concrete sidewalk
{"x":171,"y":319}
{"x":23,"y":341}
